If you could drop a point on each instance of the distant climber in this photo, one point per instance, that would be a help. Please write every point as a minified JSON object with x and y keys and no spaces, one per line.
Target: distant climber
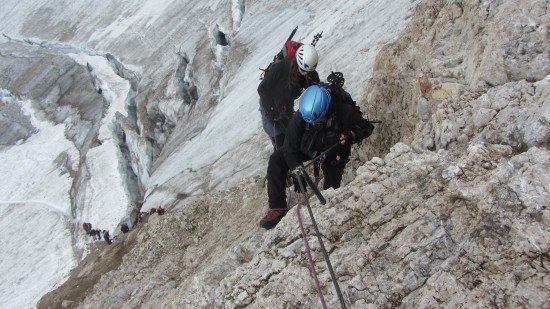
{"x":124,"y":228}
{"x":106,"y":237}
{"x":161,"y":211}
{"x":93,"y":233}
{"x":139,"y":216}
{"x":87,"y":227}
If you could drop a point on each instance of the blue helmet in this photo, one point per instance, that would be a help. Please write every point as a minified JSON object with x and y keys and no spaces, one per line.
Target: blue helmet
{"x":314,"y":103}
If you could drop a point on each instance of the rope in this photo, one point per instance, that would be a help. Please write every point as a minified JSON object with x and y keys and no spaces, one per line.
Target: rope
{"x":325,"y":254}
{"x":311,"y":262}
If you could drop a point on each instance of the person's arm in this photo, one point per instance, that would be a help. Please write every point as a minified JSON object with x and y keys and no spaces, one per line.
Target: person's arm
{"x":293,"y":139}
{"x":355,"y":127}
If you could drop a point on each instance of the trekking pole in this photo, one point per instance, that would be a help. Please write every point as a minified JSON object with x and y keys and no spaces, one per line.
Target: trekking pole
{"x":316,"y":38}
{"x":291,"y":34}
{"x":301,"y":172}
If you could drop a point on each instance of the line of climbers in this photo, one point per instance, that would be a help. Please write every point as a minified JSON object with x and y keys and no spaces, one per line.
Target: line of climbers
{"x":96,"y":234}
{"x":326,"y":116}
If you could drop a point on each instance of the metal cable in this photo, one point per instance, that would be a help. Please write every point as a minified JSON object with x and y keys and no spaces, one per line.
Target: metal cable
{"x":311,"y":262}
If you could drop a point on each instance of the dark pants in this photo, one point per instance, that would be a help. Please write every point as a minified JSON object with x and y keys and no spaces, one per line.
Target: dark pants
{"x":333,"y":172}
{"x":278,"y":141}
{"x":277,"y":170}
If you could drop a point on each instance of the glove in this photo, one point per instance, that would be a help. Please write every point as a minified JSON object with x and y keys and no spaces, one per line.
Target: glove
{"x":347,"y":138}
{"x":298,"y":171}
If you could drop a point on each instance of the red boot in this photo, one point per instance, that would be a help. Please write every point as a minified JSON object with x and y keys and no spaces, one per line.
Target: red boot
{"x":272,"y":218}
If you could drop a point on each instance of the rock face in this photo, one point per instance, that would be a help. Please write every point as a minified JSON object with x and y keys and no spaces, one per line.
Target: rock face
{"x":451,"y":76}
{"x":452,"y":211}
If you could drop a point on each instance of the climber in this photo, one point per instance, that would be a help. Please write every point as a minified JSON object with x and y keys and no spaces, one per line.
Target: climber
{"x":124,"y":228}
{"x":281,"y":85}
{"x":93,"y":234}
{"x":106,"y":237}
{"x":321,"y":121}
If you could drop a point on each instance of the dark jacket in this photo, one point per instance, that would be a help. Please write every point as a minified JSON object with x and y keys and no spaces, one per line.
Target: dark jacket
{"x":276,"y":95}
{"x":107,"y":237}
{"x":305,"y":141}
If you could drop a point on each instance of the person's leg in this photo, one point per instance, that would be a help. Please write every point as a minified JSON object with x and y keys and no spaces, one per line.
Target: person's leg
{"x":276,"y":189}
{"x":276,"y":180}
{"x":278,"y":140}
{"x":333,"y":172}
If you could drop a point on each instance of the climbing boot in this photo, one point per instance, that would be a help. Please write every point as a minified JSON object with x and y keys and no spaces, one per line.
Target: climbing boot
{"x":273,"y":217}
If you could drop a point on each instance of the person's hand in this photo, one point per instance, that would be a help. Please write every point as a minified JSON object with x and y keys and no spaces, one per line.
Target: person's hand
{"x":345,"y":139}
{"x":298,"y":171}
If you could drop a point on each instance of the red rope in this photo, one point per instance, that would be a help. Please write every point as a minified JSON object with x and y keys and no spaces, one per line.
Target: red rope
{"x":308,"y":252}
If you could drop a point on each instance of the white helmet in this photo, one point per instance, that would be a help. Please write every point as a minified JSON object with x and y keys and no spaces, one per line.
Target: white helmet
{"x":307,"y":58}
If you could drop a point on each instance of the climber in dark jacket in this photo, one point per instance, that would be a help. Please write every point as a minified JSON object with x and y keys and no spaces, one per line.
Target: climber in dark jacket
{"x":323,"y":120}
{"x":107,"y":237}
{"x":282,"y":84}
